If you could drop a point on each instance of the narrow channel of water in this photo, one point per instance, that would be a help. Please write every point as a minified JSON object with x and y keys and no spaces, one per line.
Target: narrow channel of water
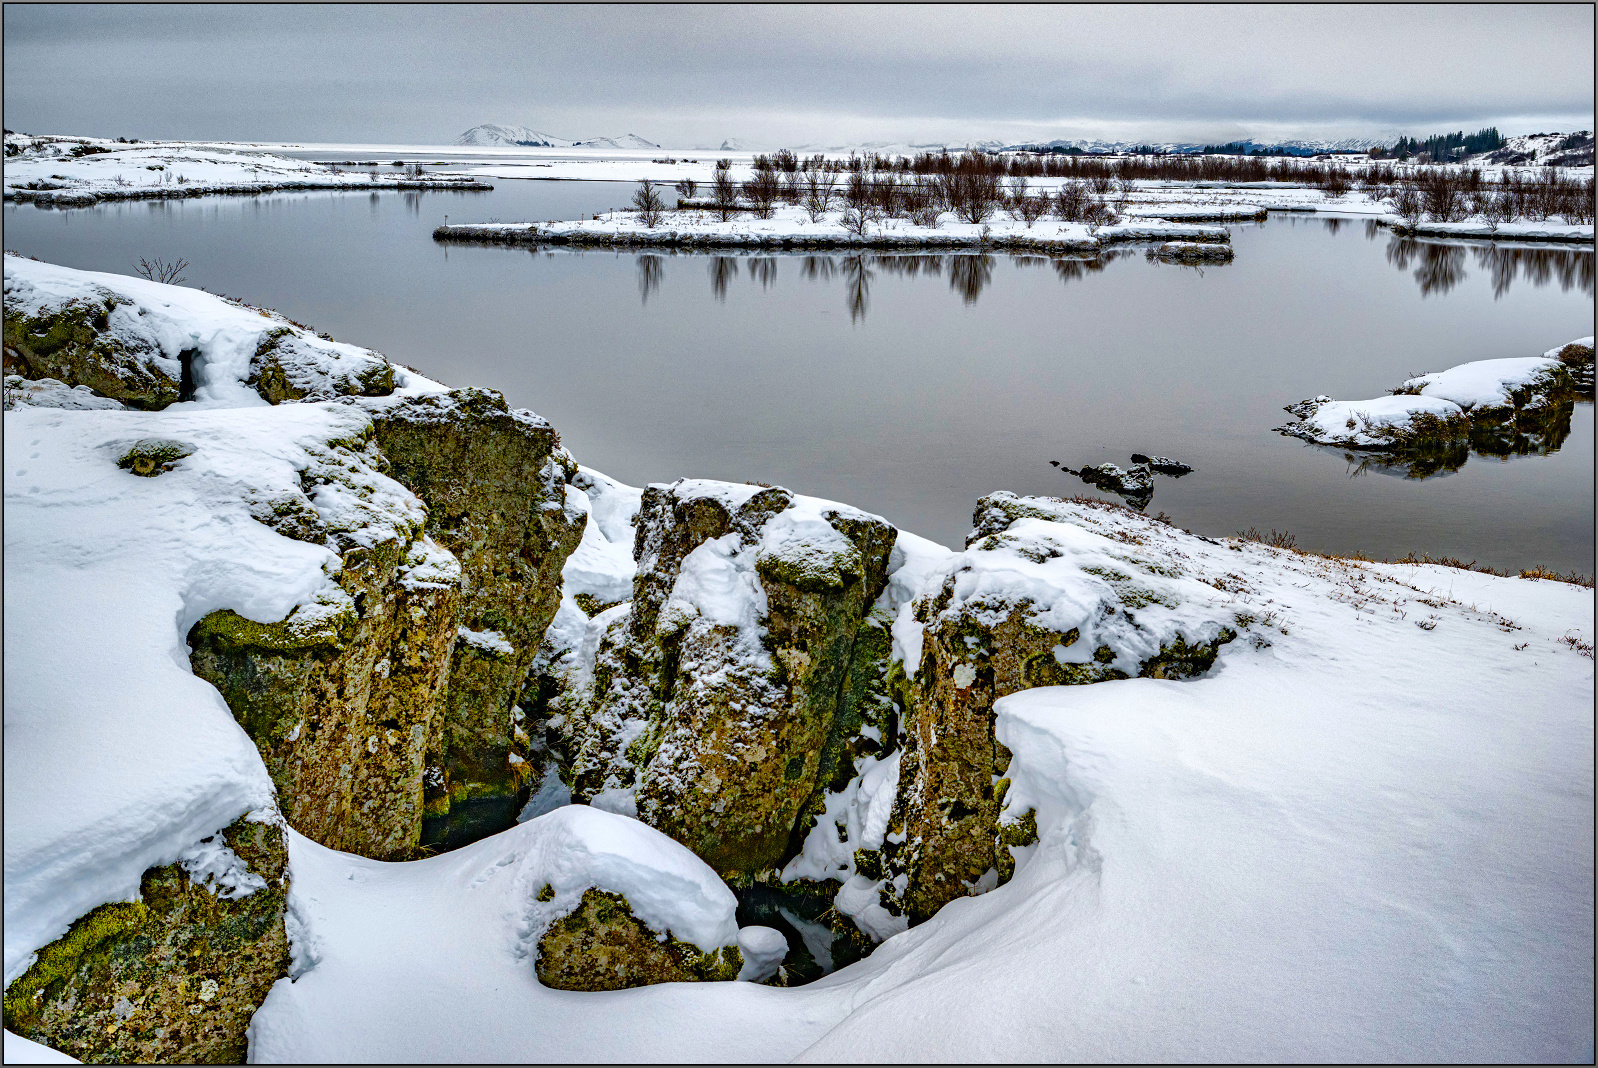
{"x":911,"y":385}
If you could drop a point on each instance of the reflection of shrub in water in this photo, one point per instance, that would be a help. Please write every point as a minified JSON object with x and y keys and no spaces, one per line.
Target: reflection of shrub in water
{"x":1522,"y":432}
{"x":1441,"y":267}
{"x":722,"y":270}
{"x":650,"y":269}
{"x":969,"y":275}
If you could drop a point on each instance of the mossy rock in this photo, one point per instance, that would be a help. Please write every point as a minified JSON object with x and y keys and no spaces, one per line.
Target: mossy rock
{"x":172,"y":978}
{"x":73,"y":343}
{"x":600,"y":945}
{"x":149,"y":457}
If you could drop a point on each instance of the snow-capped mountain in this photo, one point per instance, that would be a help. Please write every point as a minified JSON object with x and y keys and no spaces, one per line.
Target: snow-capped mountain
{"x":631,"y":140}
{"x":1561,"y":149}
{"x":494,"y":135}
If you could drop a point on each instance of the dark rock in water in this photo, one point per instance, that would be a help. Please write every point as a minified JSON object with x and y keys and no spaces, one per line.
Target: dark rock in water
{"x":1136,"y":486}
{"x":1163,"y":465}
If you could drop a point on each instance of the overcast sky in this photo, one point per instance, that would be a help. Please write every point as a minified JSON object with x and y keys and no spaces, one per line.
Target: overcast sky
{"x":778,"y":75}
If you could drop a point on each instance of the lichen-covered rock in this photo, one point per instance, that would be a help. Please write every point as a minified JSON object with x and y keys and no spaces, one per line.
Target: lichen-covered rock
{"x":290,"y":365}
{"x":95,"y":341}
{"x":175,"y":976}
{"x":722,"y":697}
{"x":342,"y":696}
{"x":600,"y":945}
{"x":1577,"y":358}
{"x":149,"y":457}
{"x":1037,"y":599}
{"x":147,"y":345}
{"x":493,"y":480}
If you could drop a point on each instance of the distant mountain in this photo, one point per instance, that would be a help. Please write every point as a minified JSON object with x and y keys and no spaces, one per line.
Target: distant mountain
{"x":1560,"y":149}
{"x":624,"y":141}
{"x":493,"y":135}
{"x":1289,"y":146}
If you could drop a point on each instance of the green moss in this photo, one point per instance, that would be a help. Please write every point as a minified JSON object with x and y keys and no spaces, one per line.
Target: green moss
{"x":152,"y":456}
{"x":59,"y":962}
{"x":302,"y":631}
{"x":601,"y":945}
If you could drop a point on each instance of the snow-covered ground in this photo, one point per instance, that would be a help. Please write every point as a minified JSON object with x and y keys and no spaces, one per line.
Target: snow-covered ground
{"x":79,"y":171}
{"x":792,"y":226}
{"x":1366,"y":834}
{"x":1365,"y":837}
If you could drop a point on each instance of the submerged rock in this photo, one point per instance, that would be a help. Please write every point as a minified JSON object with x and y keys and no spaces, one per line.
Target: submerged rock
{"x":1037,"y":599}
{"x":175,"y":976}
{"x":1136,"y":486}
{"x":1163,"y":465}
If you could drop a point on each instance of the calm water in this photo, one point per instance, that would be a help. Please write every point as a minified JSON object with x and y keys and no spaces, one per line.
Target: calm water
{"x":911,"y":385}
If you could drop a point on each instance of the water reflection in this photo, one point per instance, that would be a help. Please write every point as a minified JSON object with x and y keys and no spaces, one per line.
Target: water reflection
{"x":1440,"y":265}
{"x":650,"y":268}
{"x":969,"y":274}
{"x":1526,"y":432}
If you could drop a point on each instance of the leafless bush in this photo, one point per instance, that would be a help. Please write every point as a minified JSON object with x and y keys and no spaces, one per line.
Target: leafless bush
{"x":1442,"y":195}
{"x":818,"y":193}
{"x":761,"y":192}
{"x":1407,"y":205}
{"x":1071,"y":201}
{"x":1097,"y":213}
{"x":158,"y":270}
{"x":1027,"y":206}
{"x":857,"y":192}
{"x":971,"y":193}
{"x":646,"y":199}
{"x":687,"y":188}
{"x":1336,"y":182}
{"x":885,"y":193}
{"x":1101,"y":182}
{"x":1491,"y":206}
{"x":724,"y":190}
{"x":922,"y":202}
{"x":793,"y":187}
{"x":856,"y":221}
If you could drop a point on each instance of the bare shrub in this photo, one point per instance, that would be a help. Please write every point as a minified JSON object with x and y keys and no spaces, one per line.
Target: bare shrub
{"x":646,"y":200}
{"x":1336,"y":182}
{"x":1442,"y":195}
{"x":169,"y":272}
{"x":793,"y":187}
{"x":922,"y":202}
{"x":1027,"y":206}
{"x":687,"y":188}
{"x":761,"y":192}
{"x":1407,"y":205}
{"x":819,"y":189}
{"x":724,"y":191}
{"x":885,"y":193}
{"x":971,"y":193}
{"x":1071,"y":201}
{"x":856,"y":220}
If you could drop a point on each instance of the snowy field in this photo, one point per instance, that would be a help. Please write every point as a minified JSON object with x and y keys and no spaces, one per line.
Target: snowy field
{"x":1366,"y":834}
{"x":74,"y":172}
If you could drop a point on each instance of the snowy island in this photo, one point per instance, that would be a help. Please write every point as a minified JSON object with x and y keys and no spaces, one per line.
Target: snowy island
{"x":350,"y":717}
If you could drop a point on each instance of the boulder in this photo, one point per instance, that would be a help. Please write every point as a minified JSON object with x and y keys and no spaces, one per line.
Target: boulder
{"x":726,"y":698}
{"x":1037,"y":599}
{"x":175,"y":976}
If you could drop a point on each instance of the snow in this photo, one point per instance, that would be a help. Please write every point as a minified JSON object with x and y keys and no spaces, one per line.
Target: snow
{"x":50,"y":393}
{"x":1361,"y":424}
{"x":1484,"y":383}
{"x":489,"y":641}
{"x":1523,"y":230}
{"x":793,"y":225}
{"x":20,"y":1050}
{"x":763,"y":950}
{"x":1366,"y":834}
{"x":46,"y":170}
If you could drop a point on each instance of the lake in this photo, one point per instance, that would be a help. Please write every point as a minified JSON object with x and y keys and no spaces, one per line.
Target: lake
{"x":912,"y":385}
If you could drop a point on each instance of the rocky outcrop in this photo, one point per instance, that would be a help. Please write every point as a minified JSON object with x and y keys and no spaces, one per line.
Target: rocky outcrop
{"x":726,"y":696}
{"x":288,"y":365}
{"x":392,"y":697}
{"x":95,"y":341}
{"x":601,"y":945}
{"x":1036,"y":600}
{"x":493,"y":480}
{"x":176,"y":975}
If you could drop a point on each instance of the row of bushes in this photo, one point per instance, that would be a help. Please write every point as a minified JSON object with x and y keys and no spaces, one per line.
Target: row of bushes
{"x":1444,"y":195}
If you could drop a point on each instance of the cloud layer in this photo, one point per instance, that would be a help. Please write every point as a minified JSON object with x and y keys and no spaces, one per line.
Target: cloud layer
{"x":795,"y":74}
